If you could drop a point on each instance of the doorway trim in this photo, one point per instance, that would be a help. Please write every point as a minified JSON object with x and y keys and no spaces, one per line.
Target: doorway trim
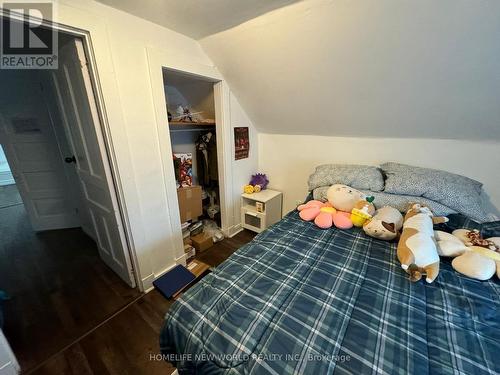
{"x":158,"y":61}
{"x":103,"y":128}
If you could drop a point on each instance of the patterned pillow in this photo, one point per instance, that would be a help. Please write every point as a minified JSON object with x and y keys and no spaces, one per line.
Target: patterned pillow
{"x":460,"y":193}
{"x":357,"y":176}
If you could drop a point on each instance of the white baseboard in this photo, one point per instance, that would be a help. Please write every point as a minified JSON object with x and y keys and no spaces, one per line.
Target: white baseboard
{"x":181,"y":259}
{"x":232,"y":231}
{"x":236,"y":229}
{"x":147,"y":282}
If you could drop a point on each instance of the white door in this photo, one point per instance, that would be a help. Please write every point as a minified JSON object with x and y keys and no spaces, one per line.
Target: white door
{"x":29,"y":142}
{"x":73,"y":91}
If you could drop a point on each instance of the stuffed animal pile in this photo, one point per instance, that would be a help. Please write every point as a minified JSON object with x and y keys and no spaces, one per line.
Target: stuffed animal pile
{"x":345,"y":208}
{"x":474,"y":256}
{"x":420,"y":247}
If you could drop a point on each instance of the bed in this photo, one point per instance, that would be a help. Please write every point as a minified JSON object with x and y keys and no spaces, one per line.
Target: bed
{"x":301,"y":300}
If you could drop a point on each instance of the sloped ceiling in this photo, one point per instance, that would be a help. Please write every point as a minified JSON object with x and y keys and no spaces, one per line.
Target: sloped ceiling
{"x":370,"y":68}
{"x":197,"y":18}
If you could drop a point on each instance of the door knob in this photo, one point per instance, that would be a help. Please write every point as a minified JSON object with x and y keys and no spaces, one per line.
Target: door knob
{"x":70,"y":159}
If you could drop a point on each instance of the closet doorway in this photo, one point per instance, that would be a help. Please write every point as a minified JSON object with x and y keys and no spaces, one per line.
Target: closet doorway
{"x":64,"y":261}
{"x":49,"y":133}
{"x":193,"y":135}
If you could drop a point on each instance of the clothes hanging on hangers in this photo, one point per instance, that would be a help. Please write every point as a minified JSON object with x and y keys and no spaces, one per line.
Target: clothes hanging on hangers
{"x":206,"y":160}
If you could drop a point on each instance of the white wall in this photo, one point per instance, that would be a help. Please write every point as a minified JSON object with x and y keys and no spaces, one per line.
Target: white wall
{"x":243,"y":168}
{"x":6,"y":177}
{"x":4,"y":166}
{"x":290,"y":159}
{"x":120,"y":44}
{"x":402,"y":79}
{"x":368,"y":68}
{"x":197,"y":95}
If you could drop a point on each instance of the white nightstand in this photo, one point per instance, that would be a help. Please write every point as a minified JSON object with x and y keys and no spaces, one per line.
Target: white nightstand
{"x":260,"y":210}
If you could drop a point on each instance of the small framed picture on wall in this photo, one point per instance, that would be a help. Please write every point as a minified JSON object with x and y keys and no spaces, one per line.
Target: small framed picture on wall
{"x":241,"y":143}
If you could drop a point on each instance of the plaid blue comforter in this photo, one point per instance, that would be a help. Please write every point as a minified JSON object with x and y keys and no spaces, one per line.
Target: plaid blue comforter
{"x":301,"y":300}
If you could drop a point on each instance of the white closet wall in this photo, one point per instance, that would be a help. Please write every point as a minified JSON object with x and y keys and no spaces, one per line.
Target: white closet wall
{"x":198,"y":95}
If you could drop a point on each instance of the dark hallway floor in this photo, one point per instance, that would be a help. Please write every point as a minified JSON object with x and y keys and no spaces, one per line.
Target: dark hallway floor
{"x":126,"y":343}
{"x":59,"y":287}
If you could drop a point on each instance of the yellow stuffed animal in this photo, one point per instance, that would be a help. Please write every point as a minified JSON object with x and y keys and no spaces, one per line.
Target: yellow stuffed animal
{"x":362,"y":211}
{"x":248,"y":189}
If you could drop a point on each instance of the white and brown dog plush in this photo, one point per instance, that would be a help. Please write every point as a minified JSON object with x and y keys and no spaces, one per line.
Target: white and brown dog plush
{"x":417,"y":249}
{"x":385,"y":225}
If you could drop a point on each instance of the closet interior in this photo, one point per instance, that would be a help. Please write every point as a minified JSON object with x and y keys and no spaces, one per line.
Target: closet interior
{"x":191,"y":118}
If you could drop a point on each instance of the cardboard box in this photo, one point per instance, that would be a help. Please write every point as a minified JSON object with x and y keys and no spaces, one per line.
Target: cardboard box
{"x":202,"y":242}
{"x":190,"y":205}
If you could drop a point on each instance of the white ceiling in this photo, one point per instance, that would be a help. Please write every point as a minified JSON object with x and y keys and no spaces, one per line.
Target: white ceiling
{"x":368,"y":68}
{"x":364,"y":68}
{"x":197,"y":18}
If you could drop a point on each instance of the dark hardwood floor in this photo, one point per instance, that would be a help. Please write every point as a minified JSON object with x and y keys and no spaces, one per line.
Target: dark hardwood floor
{"x":125,"y":344}
{"x":59,"y":287}
{"x":222,"y":250}
{"x":69,"y":313}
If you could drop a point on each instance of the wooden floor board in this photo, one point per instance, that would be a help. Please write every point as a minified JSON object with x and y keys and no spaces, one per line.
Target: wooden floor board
{"x":69,"y":313}
{"x":59,"y":287}
{"x":222,"y":250}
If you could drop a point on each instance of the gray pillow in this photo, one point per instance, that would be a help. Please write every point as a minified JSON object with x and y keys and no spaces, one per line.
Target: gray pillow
{"x":357,"y":176}
{"x":459,"y":193}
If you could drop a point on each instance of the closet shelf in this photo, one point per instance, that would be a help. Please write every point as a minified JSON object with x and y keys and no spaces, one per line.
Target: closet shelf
{"x":177,"y":126}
